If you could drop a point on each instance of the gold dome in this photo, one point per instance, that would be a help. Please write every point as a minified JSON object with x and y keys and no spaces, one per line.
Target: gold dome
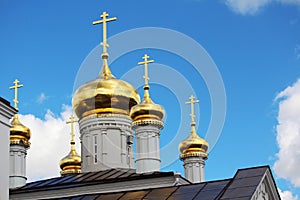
{"x":71,"y":164}
{"x":19,"y":133}
{"x":147,"y":109}
{"x":193,"y":146}
{"x":106,"y":94}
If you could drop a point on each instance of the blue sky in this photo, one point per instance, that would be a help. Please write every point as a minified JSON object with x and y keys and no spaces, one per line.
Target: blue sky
{"x":254,"y":44}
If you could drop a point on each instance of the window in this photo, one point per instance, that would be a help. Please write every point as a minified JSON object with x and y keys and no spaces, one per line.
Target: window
{"x":95,"y":149}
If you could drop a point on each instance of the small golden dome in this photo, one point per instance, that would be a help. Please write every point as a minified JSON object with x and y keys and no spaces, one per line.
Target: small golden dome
{"x":193,"y":146}
{"x":106,"y":94}
{"x":71,"y":164}
{"x":19,"y":133}
{"x":147,"y":109}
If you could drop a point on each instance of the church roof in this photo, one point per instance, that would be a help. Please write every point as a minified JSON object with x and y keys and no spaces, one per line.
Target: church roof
{"x":5,"y":102}
{"x":112,"y":180}
{"x":203,"y":191}
{"x":100,"y":177}
{"x":6,"y":108}
{"x":245,"y":184}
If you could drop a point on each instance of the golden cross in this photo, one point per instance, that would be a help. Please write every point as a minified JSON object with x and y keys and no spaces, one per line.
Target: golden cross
{"x":145,"y":63}
{"x":192,"y":102}
{"x":16,"y":86}
{"x":104,"y":20}
{"x":72,"y":121}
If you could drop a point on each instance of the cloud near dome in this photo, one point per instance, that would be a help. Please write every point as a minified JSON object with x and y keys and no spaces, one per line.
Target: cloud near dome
{"x":252,"y":7}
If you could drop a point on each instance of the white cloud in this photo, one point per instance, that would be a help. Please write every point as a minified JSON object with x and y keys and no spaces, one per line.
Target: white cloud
{"x":245,"y":7}
{"x":292,"y":2}
{"x":251,"y":7}
{"x":288,"y":134}
{"x":287,"y":195}
{"x":50,"y":142}
{"x":41,"y":98}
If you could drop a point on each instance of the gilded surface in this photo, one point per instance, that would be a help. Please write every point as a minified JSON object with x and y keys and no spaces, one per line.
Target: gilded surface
{"x":19,"y":134}
{"x":16,"y":86}
{"x":147,"y":109}
{"x":72,"y":162}
{"x":154,"y":122}
{"x":106,"y":94}
{"x":194,"y":145}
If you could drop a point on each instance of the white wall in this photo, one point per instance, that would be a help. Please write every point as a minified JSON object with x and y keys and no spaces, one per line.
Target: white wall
{"x":6,"y":113}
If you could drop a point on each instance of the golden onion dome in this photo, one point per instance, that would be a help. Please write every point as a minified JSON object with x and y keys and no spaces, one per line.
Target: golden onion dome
{"x":71,"y":164}
{"x":193,"y":146}
{"x":147,"y":109}
{"x":106,"y":94}
{"x":19,"y":133}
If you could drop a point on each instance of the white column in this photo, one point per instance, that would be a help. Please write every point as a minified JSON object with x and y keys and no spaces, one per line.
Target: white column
{"x":6,"y":113}
{"x":147,"y":147}
{"x":112,"y":133}
{"x":194,"y":169}
{"x":17,"y":175}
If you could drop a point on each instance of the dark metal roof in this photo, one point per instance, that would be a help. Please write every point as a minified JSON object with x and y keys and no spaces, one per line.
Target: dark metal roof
{"x":5,"y":102}
{"x":100,"y":177}
{"x":241,"y":187}
{"x":245,"y":183}
{"x":203,"y":191}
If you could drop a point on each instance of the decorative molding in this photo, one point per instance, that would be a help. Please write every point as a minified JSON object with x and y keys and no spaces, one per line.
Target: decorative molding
{"x":154,"y":122}
{"x":105,"y":123}
{"x":20,"y":142}
{"x":267,"y":189}
{"x":107,"y":115}
{"x":194,"y":154}
{"x":261,"y":193}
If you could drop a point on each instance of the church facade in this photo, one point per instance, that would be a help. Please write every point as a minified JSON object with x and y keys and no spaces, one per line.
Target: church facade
{"x":110,"y":114}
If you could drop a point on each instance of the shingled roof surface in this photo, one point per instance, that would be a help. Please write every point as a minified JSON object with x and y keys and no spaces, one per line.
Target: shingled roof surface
{"x":203,"y":191}
{"x":100,"y":177}
{"x":241,"y":187}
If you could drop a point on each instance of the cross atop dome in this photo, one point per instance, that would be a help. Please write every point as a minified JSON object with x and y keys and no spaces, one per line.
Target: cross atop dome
{"x":106,"y":94}
{"x":145,"y":63}
{"x":146,"y":98}
{"x":71,"y":164}
{"x":16,"y":87}
{"x":104,"y":21}
{"x":105,"y":71}
{"x":71,"y":122}
{"x":192,"y":102}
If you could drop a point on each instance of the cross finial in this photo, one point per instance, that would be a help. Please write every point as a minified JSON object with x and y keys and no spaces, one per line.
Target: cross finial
{"x":192,"y":102}
{"x":72,"y":121}
{"x":145,"y":63}
{"x":16,"y":87}
{"x":104,"y":21}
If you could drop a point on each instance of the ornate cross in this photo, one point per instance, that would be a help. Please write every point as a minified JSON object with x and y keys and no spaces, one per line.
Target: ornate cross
{"x":16,"y":86}
{"x":103,"y":21}
{"x":72,"y":121}
{"x":192,"y":102}
{"x":145,"y":63}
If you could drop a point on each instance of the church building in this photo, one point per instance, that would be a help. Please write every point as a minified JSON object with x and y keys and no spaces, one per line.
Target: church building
{"x":110,"y":114}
